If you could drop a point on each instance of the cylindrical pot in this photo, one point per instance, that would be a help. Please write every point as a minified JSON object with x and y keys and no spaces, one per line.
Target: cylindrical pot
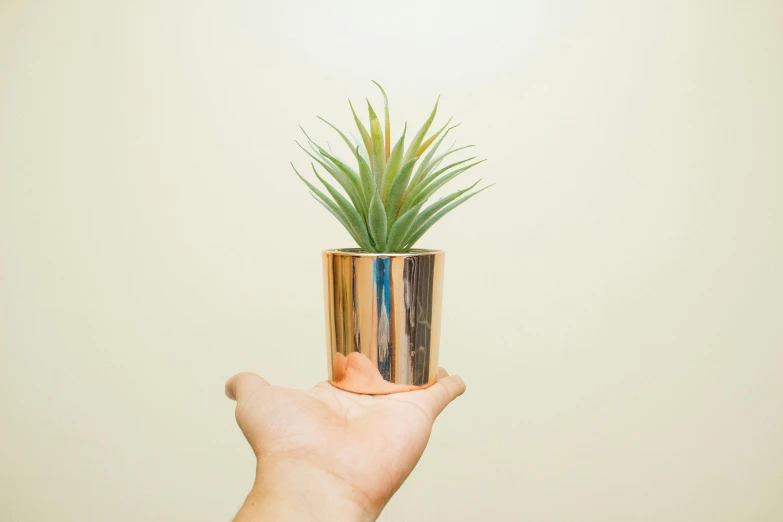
{"x":383,"y":319}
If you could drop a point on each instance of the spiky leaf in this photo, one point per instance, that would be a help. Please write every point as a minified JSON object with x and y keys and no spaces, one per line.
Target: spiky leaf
{"x":393,"y":165}
{"x":398,"y":188}
{"x":332,"y":207}
{"x":431,"y":210}
{"x":438,"y":183}
{"x":357,"y":194}
{"x":341,"y":218}
{"x":416,"y":143}
{"x":365,"y":175}
{"x":347,"y":141}
{"x":362,"y":149}
{"x":432,"y":138}
{"x":378,"y":154}
{"x":401,"y":228}
{"x":350,"y":212}
{"x":350,"y":186}
{"x":437,"y":160}
{"x":363,"y":132}
{"x":414,"y":195}
{"x":387,"y":133}
{"x":432,"y":177}
{"x":376,"y":222}
{"x":312,"y":187}
{"x":417,"y":233}
{"x":427,"y":163}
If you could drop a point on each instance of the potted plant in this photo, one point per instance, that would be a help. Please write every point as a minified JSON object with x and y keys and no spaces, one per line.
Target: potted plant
{"x":383,"y":299}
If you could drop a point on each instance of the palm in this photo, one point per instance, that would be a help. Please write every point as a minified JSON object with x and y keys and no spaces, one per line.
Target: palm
{"x":369,"y":442}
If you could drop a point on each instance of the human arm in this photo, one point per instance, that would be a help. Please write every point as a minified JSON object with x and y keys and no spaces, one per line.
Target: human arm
{"x":324,"y":454}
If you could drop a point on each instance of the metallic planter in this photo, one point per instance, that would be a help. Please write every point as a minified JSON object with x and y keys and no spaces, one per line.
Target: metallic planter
{"x":383,"y":319}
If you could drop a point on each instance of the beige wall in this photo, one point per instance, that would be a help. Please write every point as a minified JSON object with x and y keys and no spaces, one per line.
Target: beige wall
{"x":615,"y":303}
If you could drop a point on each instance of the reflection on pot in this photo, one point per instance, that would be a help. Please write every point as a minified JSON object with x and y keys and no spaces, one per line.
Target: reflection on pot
{"x":383,"y":319}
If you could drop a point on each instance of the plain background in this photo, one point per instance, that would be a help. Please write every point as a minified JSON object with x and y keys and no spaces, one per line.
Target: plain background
{"x":615,"y":302}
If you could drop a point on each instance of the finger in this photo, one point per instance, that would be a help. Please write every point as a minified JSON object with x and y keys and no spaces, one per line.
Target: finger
{"x":442,"y":373}
{"x":243,"y":384}
{"x":444,"y":391}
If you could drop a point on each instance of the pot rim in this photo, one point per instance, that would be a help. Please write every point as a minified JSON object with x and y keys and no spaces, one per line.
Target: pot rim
{"x":357,"y":252}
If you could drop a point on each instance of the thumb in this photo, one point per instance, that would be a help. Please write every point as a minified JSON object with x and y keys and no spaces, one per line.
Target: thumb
{"x":243,"y":384}
{"x":448,"y":388}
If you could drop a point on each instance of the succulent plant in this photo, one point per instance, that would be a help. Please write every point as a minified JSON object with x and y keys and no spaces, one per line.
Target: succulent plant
{"x":387,"y":191}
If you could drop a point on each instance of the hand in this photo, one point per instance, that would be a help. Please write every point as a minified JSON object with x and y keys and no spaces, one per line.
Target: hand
{"x":326,"y":454}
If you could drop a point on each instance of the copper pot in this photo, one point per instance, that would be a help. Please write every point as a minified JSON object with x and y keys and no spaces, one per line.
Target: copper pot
{"x":383,"y":319}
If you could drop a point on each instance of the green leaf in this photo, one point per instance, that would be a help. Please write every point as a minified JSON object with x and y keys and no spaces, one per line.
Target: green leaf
{"x":312,"y":187}
{"x":387,"y":134}
{"x":376,"y":222}
{"x":305,"y":133}
{"x":411,"y":240}
{"x":362,"y":149}
{"x":378,"y":156}
{"x":438,"y":143}
{"x":363,"y":132}
{"x":368,"y":182}
{"x":349,"y":185}
{"x":435,"y":163}
{"x":317,"y":149}
{"x":432,"y":138}
{"x":343,"y":136}
{"x":334,"y":209}
{"x":427,"y":163}
{"x":416,"y":143}
{"x":435,"y":207}
{"x":429,"y":179}
{"x":337,"y":214}
{"x":332,"y":158}
{"x":413,"y":196}
{"x":351,"y":214}
{"x":393,"y":165}
{"x":397,"y":189}
{"x":353,"y":178}
{"x":438,"y":183}
{"x":400,"y":229}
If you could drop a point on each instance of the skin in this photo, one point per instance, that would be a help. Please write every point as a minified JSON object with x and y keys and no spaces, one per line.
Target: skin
{"x":325,"y":454}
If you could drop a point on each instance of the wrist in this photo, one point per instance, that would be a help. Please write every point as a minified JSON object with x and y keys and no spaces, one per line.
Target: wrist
{"x":293,"y":489}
